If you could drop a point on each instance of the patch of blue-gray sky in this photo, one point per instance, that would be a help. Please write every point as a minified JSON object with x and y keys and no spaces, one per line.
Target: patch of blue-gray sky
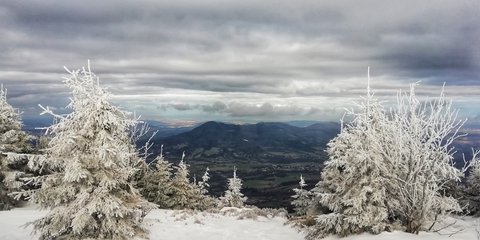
{"x":241,"y":61}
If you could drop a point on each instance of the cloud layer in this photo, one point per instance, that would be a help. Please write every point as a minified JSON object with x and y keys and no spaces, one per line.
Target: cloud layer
{"x":242,"y":61}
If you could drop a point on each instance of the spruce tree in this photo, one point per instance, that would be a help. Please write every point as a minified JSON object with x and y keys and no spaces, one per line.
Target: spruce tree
{"x":12,"y":138}
{"x":203,"y":185}
{"x":471,"y":190}
{"x":204,"y":200}
{"x":302,"y":198}
{"x":91,"y":156}
{"x":233,"y":196}
{"x":353,"y":185}
{"x":184,"y":194}
{"x":156,"y":183}
{"x":13,"y":141}
{"x":176,"y":192}
{"x":6,"y":202}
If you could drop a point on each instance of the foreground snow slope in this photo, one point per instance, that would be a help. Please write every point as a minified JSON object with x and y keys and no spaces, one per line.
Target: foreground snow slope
{"x":171,"y":225}
{"x":460,"y":228}
{"x":203,"y":226}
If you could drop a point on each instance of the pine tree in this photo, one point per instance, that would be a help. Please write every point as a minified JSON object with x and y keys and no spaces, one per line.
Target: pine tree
{"x":203,"y":185}
{"x":302,"y":198}
{"x":233,"y":196}
{"x":156,"y":183}
{"x":353,"y":183}
{"x":12,"y":141}
{"x":471,"y":191}
{"x":176,"y":192}
{"x":184,"y":194}
{"x":6,"y":202}
{"x":91,"y":155}
{"x":12,"y":138}
{"x":204,"y":200}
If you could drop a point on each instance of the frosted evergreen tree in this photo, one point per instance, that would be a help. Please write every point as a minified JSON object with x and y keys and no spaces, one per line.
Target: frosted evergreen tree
{"x":184,"y":192}
{"x":156,"y":183}
{"x":205,"y":201}
{"x":233,"y":196}
{"x":91,"y":155}
{"x":203,"y":185}
{"x":471,"y":191}
{"x":12,"y":141}
{"x":6,"y":202}
{"x":302,"y":198}
{"x":12,"y":138}
{"x":353,"y":185}
{"x":176,"y":192}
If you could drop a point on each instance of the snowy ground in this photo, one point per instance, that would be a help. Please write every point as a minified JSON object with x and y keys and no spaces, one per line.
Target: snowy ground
{"x":458,"y":228}
{"x":170,"y":225}
{"x":204,"y":226}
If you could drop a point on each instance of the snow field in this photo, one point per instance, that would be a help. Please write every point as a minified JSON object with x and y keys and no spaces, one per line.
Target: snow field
{"x":12,"y":223}
{"x":459,"y":228}
{"x":177,"y":225}
{"x":165,"y":224}
{"x":171,"y":225}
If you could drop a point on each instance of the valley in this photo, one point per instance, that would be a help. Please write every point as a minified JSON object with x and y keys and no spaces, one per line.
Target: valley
{"x":270,"y":157}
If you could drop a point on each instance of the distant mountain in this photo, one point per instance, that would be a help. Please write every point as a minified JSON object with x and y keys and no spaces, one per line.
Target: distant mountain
{"x":34,"y":125}
{"x":301,"y":123}
{"x":265,"y":141}
{"x":165,"y":130}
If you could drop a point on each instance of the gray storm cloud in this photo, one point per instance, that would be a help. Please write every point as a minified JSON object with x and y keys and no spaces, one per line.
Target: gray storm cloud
{"x":268,"y":57}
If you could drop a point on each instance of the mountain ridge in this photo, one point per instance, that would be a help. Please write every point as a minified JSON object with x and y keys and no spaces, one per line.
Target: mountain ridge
{"x":218,"y":139}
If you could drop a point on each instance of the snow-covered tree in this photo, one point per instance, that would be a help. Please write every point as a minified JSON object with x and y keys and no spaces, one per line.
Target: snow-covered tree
{"x":353,"y":184}
{"x":390,"y":166}
{"x":420,"y":149}
{"x":233,"y":196}
{"x":12,"y":138}
{"x":91,"y":156}
{"x":19,"y":178}
{"x":177,"y":192}
{"x":302,"y":198}
{"x":471,"y":191}
{"x":184,"y":194}
{"x":204,"y":185}
{"x":205,"y":201}
{"x":156,"y":183}
{"x":6,"y":202}
{"x":12,"y":141}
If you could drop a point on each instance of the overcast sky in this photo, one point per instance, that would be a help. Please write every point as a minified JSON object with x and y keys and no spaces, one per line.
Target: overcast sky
{"x":241,"y":61}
